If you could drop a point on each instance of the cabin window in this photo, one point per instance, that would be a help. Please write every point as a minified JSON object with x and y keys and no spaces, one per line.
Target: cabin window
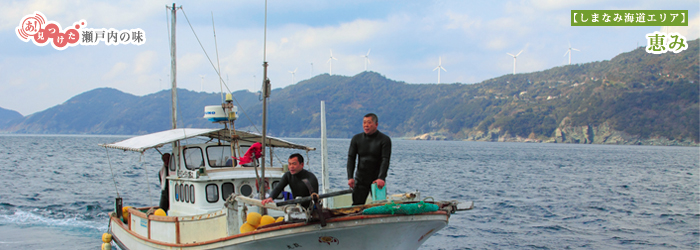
{"x":171,"y":165}
{"x":246,"y":190}
{"x":226,"y":190}
{"x":212,"y":193}
{"x":244,"y":149}
{"x":192,"y":194}
{"x":182,"y":193}
{"x":185,"y":194}
{"x":220,"y":156}
{"x":177,"y":192}
{"x":193,"y":158}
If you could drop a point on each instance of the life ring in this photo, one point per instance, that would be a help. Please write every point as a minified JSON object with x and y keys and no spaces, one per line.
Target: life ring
{"x":267,"y":184}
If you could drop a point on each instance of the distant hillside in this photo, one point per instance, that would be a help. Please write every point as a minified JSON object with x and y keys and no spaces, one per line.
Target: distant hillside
{"x":110,"y":111}
{"x":7,"y":115}
{"x":635,"y":98}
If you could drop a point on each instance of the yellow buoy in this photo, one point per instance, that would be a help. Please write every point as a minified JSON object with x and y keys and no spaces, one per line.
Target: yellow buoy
{"x":106,"y":237}
{"x":265,"y":220}
{"x":106,"y":246}
{"x":160,"y":212}
{"x":125,"y":213}
{"x":279,"y":219}
{"x":253,"y":219}
{"x":247,"y":228}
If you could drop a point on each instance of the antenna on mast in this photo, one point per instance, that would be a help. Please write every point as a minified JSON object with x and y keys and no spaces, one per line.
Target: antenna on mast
{"x":218,"y":71}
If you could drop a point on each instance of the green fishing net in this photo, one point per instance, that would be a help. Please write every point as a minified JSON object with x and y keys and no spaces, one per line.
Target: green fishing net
{"x":393,"y":208}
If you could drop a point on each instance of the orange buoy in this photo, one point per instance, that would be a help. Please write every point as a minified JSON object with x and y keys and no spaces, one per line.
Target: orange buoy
{"x":266,"y":220}
{"x":125,"y":213}
{"x":247,"y":228}
{"x":106,"y":237}
{"x":253,"y":219}
{"x":160,"y":212}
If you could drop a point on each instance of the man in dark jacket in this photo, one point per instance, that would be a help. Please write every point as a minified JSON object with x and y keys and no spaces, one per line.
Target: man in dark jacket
{"x":372,"y":149}
{"x":162,"y":176}
{"x":298,"y":179}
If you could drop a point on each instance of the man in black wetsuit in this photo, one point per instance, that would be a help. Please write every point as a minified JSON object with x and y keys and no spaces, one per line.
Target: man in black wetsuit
{"x":373,"y":149}
{"x":298,"y":179}
{"x":162,"y":176}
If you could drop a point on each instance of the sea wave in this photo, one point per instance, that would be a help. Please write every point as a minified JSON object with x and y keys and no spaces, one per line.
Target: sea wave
{"x":48,"y":218}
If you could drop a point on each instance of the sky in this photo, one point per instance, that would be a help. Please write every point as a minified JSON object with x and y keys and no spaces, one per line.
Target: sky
{"x":406,"y":40}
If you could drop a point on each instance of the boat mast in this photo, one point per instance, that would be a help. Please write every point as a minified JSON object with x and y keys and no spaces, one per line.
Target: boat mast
{"x":265,"y":94}
{"x":324,"y":151}
{"x":173,"y":78}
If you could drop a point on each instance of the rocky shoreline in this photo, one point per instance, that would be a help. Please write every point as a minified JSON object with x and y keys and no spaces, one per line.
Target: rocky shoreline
{"x":602,"y":134}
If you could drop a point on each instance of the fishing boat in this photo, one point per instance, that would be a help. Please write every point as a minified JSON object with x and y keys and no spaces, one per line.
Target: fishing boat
{"x":213,"y":199}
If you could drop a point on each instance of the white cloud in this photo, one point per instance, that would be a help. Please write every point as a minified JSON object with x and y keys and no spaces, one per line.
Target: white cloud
{"x":144,"y":62}
{"x":497,"y":43}
{"x":99,"y":14}
{"x":11,"y":13}
{"x":461,"y":21}
{"x":691,"y":32}
{"x":549,"y":4}
{"x":190,"y":62}
{"x":116,"y":70}
{"x":406,"y":39}
{"x":352,"y":32}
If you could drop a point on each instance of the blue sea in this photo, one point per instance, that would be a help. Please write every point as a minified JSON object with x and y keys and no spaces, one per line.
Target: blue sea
{"x":58,"y":191}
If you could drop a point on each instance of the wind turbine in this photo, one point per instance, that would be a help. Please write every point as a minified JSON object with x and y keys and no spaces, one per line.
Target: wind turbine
{"x":439,"y":67}
{"x":514,"y":56}
{"x":569,"y":52}
{"x":293,"y":72}
{"x":201,"y":84}
{"x":312,"y":70}
{"x":330,"y":62}
{"x":367,"y":59}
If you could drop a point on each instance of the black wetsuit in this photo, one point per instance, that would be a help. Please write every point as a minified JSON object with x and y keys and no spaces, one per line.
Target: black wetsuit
{"x":297,"y":185}
{"x":374,"y":152}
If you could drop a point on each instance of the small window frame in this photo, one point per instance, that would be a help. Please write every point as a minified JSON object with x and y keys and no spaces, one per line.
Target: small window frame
{"x":171,"y":165}
{"x":201,"y":156}
{"x":246,"y":184}
{"x":215,"y":189}
{"x":223,"y":193}
{"x":185,"y":194}
{"x":177,"y":192}
{"x":233,"y":161}
{"x":192,"y":194}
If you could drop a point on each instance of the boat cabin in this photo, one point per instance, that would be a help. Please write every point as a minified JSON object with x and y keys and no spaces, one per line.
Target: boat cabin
{"x":196,"y":191}
{"x":205,"y":175}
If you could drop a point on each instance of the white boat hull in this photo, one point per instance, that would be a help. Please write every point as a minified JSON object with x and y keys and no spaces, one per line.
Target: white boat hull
{"x":351,"y":232}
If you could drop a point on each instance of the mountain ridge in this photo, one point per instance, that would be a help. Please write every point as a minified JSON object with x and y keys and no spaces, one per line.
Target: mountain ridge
{"x":634,"y":98}
{"x":7,"y":115}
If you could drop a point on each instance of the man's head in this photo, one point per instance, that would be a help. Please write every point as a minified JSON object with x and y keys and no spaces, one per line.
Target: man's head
{"x":296,"y":163}
{"x":370,"y":123}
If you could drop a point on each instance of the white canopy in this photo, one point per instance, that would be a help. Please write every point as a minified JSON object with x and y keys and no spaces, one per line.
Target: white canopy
{"x":155,"y":140}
